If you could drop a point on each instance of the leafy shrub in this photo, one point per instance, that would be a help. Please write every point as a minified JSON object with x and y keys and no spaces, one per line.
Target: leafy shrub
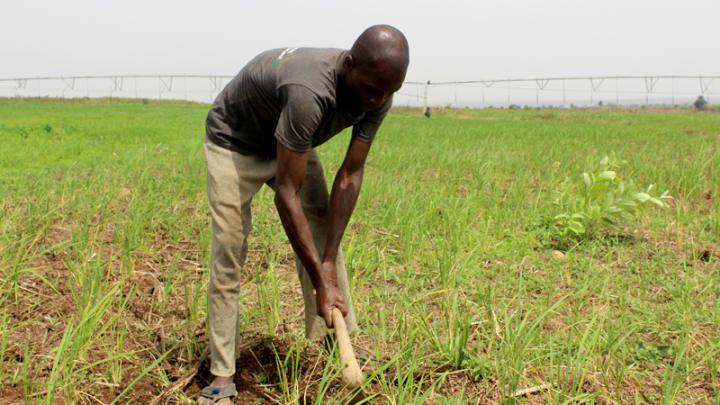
{"x":700,"y":104}
{"x":603,"y":200}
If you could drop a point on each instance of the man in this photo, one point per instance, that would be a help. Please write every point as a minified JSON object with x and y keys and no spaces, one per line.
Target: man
{"x":262,"y":129}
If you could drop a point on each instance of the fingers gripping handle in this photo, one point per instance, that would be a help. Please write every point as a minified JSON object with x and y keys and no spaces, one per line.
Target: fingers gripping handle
{"x":351,"y":374}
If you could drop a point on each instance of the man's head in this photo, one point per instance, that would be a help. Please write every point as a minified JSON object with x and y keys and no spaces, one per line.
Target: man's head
{"x":375,"y":67}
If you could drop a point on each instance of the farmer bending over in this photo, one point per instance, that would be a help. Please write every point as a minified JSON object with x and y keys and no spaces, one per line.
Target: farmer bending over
{"x":263,"y":128}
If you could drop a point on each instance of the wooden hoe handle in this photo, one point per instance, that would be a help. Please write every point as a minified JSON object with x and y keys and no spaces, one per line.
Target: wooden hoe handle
{"x":351,"y":374}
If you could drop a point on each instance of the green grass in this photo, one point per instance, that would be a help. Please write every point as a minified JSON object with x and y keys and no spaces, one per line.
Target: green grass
{"x":104,"y":245}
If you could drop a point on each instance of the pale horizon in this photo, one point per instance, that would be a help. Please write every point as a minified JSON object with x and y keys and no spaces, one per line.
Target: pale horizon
{"x":451,"y":41}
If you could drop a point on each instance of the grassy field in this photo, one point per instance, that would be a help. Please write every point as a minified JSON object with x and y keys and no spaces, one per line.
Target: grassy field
{"x":464,"y":290}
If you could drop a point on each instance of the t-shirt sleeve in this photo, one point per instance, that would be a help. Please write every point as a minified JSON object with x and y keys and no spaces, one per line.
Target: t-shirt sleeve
{"x":300,"y":117}
{"x":366,"y":129}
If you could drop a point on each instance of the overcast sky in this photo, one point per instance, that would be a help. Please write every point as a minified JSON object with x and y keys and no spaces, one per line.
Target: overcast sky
{"x":449,"y":40}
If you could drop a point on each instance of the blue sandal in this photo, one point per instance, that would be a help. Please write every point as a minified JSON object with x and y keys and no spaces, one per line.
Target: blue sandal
{"x":215,"y":394}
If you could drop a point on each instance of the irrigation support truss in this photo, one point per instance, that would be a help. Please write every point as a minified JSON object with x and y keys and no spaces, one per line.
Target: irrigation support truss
{"x":206,"y":87}
{"x":647,"y":88}
{"x":115,"y":86}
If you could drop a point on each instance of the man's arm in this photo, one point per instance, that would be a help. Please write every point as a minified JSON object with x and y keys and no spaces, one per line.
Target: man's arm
{"x":291,"y":168}
{"x":343,"y":197}
{"x":348,"y":180}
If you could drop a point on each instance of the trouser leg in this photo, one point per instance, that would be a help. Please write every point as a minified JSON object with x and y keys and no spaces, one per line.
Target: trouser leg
{"x":232,"y":181}
{"x":315,"y":201}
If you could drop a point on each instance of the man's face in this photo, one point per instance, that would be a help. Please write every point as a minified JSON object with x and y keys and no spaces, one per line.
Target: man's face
{"x":369,"y":87}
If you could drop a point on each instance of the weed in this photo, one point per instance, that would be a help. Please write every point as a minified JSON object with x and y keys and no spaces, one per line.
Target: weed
{"x":604,"y":200}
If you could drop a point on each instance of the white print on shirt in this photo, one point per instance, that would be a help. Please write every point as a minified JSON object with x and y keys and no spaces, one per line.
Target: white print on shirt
{"x":287,"y":51}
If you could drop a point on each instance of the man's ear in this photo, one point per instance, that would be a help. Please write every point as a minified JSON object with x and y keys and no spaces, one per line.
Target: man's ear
{"x":349,"y":62}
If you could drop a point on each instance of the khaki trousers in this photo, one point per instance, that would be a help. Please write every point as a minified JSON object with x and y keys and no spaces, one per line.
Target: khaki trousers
{"x":233,"y":180}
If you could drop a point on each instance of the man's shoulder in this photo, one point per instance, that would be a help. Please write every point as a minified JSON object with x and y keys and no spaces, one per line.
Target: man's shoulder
{"x":297,"y":59}
{"x":292,"y":55}
{"x":313,"y":68}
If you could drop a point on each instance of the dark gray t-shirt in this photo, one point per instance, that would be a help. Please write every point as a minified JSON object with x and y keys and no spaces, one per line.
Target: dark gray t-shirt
{"x":287,"y":95}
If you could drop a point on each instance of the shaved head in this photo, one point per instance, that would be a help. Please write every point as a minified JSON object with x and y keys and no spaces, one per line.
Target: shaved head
{"x":374,"y":68}
{"x":381,"y":45}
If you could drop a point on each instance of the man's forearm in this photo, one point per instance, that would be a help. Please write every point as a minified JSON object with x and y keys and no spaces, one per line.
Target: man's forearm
{"x":298,"y":231}
{"x":343,"y":198}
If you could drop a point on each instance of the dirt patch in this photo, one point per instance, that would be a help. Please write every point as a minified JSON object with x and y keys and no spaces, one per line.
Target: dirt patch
{"x":12,"y":394}
{"x":697,"y":132}
{"x":552,"y":116}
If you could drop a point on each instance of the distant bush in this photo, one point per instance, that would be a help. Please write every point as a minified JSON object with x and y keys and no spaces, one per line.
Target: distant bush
{"x":700,"y":104}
